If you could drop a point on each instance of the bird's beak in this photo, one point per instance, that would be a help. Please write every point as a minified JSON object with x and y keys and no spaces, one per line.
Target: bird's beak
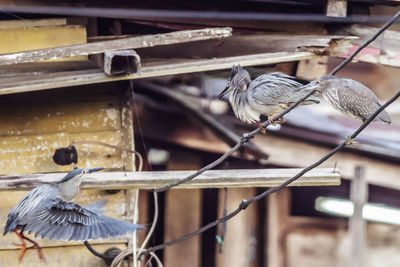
{"x":224,"y":92}
{"x":95,"y":170}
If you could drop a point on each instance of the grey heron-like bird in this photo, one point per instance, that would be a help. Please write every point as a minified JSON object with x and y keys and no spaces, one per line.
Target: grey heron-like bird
{"x":349,"y":97}
{"x":47,"y":211}
{"x":268,"y":94}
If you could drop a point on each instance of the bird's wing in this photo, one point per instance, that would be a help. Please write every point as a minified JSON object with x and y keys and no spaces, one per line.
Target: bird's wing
{"x":274,"y":88}
{"x":63,"y":220}
{"x":358,"y":99}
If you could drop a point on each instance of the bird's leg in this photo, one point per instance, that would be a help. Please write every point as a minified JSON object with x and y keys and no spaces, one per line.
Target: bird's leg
{"x":24,"y":247}
{"x":263,"y":129}
{"x":34,"y":244}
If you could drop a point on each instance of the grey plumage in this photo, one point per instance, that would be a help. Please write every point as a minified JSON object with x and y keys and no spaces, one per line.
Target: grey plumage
{"x":46,"y":214}
{"x":268,"y":94}
{"x":349,"y":97}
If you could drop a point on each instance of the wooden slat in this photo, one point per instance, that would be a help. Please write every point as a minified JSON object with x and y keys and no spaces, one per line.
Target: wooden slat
{"x":65,"y":116}
{"x":66,"y":79}
{"x":278,"y":210}
{"x":151,"y":180}
{"x":114,"y":45}
{"x":183,"y":211}
{"x":240,"y":243}
{"x":22,"y":40}
{"x":12,"y":24}
{"x":247,"y":44}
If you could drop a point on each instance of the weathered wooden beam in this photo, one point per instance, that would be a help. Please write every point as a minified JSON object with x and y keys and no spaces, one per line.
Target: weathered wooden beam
{"x":74,"y":78}
{"x":114,"y":45}
{"x":156,"y":179}
{"x":248,"y":44}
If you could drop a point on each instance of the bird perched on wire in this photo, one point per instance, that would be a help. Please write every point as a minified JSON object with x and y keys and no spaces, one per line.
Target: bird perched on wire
{"x":47,"y":212}
{"x":349,"y":97}
{"x":268,"y":94}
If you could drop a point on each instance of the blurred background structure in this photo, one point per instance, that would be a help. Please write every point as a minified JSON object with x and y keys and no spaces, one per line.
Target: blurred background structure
{"x":161,"y":101}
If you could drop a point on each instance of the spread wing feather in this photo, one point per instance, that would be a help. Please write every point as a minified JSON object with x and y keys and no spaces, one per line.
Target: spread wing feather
{"x":63,"y":220}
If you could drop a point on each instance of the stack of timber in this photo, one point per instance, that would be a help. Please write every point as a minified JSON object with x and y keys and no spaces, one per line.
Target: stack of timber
{"x":161,"y":54}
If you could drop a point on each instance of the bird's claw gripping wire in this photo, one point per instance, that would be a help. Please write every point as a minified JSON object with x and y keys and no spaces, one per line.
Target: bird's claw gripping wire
{"x":274,"y":122}
{"x":263,"y":129}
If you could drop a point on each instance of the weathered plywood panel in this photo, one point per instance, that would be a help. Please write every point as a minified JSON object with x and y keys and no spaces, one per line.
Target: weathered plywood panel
{"x":115,"y":207}
{"x":33,"y":153}
{"x":59,"y":116}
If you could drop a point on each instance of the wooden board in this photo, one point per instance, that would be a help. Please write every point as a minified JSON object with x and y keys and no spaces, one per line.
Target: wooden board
{"x":240,"y":244}
{"x":183,"y":211}
{"x":156,"y":179}
{"x":72,"y":50}
{"x":73,"y":78}
{"x":36,"y":124}
{"x":24,"y":39}
{"x":28,"y":23}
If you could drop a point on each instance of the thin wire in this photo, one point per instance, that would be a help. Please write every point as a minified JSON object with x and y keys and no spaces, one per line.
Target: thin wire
{"x":245,"y":203}
{"x":153,"y":225}
{"x":247,"y":136}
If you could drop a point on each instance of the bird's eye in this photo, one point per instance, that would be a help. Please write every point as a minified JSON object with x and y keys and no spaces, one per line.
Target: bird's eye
{"x":229,"y":83}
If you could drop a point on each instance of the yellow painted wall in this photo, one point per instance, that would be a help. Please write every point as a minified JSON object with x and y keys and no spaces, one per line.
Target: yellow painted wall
{"x":32,"y":126}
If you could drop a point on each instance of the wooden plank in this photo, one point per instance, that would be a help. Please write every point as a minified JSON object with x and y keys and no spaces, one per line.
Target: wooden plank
{"x":247,"y":44}
{"x":59,"y":117}
{"x":278,"y":212}
{"x":240,"y":242}
{"x":357,"y":224}
{"x":66,"y":79}
{"x":25,"y":39}
{"x":183,"y":209}
{"x":33,"y":153}
{"x":28,"y":23}
{"x":155,"y":179}
{"x":128,"y":160}
{"x":114,"y":45}
{"x":336,"y":8}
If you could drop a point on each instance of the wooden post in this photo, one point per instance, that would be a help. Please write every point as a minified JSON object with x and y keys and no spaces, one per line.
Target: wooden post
{"x":357,"y":225}
{"x":183,"y":215}
{"x":278,"y":210}
{"x":240,"y":243}
{"x":132,"y":195}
